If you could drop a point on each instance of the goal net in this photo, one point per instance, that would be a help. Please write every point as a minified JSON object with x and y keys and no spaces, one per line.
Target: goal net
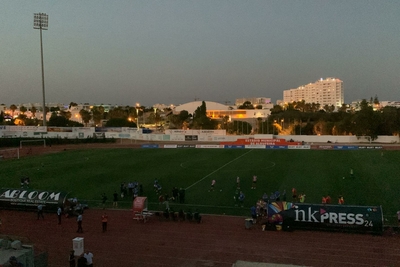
{"x":11,"y":153}
{"x":29,"y":143}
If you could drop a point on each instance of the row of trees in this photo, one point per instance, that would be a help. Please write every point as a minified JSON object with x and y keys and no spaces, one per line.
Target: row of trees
{"x":365,"y":122}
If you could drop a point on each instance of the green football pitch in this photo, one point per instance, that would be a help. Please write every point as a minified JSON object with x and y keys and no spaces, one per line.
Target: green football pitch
{"x":86,"y":174}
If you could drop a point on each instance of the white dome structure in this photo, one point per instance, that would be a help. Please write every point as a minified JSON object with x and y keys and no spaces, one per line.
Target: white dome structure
{"x":192,"y":106}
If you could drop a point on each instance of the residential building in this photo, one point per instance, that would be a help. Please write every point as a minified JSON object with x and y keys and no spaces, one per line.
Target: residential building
{"x":327,"y":91}
{"x":389,"y":103}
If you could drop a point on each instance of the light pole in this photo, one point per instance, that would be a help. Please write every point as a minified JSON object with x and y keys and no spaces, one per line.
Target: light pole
{"x":137,"y":116}
{"x":155,"y":116}
{"x":41,"y":22}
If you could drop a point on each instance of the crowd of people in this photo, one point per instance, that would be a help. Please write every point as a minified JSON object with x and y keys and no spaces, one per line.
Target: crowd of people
{"x":131,"y":189}
{"x":260,"y":209}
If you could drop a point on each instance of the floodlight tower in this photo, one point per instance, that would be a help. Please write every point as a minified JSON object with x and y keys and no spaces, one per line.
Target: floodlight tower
{"x":41,"y":22}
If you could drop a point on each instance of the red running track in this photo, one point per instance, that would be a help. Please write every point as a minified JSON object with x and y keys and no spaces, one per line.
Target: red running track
{"x":218,"y":241}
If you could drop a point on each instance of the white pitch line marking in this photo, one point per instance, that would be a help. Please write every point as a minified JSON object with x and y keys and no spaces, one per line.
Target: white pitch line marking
{"x":217,"y":169}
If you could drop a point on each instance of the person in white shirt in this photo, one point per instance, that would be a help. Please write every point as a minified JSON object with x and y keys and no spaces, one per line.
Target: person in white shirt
{"x":89,"y":258}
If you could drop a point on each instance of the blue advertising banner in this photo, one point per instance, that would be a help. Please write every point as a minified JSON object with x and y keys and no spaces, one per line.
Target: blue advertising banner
{"x":149,"y":146}
{"x":234,"y":146}
{"x":345,"y":147}
{"x":276,"y":147}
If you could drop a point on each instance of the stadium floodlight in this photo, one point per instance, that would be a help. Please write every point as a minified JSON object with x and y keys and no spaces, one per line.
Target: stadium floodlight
{"x":41,"y":22}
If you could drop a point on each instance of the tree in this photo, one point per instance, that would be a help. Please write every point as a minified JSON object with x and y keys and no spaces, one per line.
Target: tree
{"x":97,"y":114}
{"x":343,"y":108}
{"x":246,"y":105}
{"x":66,"y":114}
{"x":86,"y":116}
{"x":13,"y":109}
{"x":365,"y":121}
{"x":155,"y":117}
{"x":315,"y":107}
{"x":183,"y":115}
{"x":33,"y":110}
{"x":389,"y":121}
{"x":23,"y":109}
{"x":118,"y":113}
{"x":300,"y":105}
{"x":56,"y":120}
{"x":276,"y":109}
{"x":329,"y":108}
{"x":120,"y":122}
{"x":20,"y":119}
{"x":376,"y":101}
{"x":200,"y":119}
{"x":72,"y":104}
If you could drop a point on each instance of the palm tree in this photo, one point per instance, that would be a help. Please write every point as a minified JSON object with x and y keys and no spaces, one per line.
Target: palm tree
{"x":33,"y":110}
{"x":13,"y":108}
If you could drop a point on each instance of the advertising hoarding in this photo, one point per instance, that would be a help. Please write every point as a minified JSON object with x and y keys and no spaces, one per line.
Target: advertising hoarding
{"x":29,"y":199}
{"x":362,"y":219}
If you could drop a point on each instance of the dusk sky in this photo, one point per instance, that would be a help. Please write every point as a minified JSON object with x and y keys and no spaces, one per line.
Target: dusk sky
{"x":171,"y":52}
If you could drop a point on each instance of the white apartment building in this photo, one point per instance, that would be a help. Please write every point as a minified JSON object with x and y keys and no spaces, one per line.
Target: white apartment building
{"x":325,"y":92}
{"x":395,"y":104}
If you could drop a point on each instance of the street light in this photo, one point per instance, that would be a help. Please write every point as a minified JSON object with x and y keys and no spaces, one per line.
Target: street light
{"x":41,"y":22}
{"x":137,"y":116}
{"x":155,"y":116}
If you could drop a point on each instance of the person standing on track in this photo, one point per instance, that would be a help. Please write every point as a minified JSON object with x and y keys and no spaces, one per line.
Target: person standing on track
{"x":79,"y":221}
{"x":398,"y":217}
{"x":104,"y":219}
{"x":40,"y":211}
{"x":59,"y":212}
{"x":72,"y":262}
{"x":89,"y":258}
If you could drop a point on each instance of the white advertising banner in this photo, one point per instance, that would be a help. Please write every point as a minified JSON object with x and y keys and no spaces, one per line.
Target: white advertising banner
{"x":206,"y":138}
{"x":83,"y":129}
{"x":213,"y":132}
{"x":112,"y":134}
{"x":42,"y":129}
{"x":255,"y":146}
{"x":175,"y":137}
{"x":299,"y":147}
{"x":170,"y":146}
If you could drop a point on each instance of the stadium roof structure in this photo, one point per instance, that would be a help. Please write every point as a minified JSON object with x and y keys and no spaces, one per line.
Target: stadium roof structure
{"x":192,"y":106}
